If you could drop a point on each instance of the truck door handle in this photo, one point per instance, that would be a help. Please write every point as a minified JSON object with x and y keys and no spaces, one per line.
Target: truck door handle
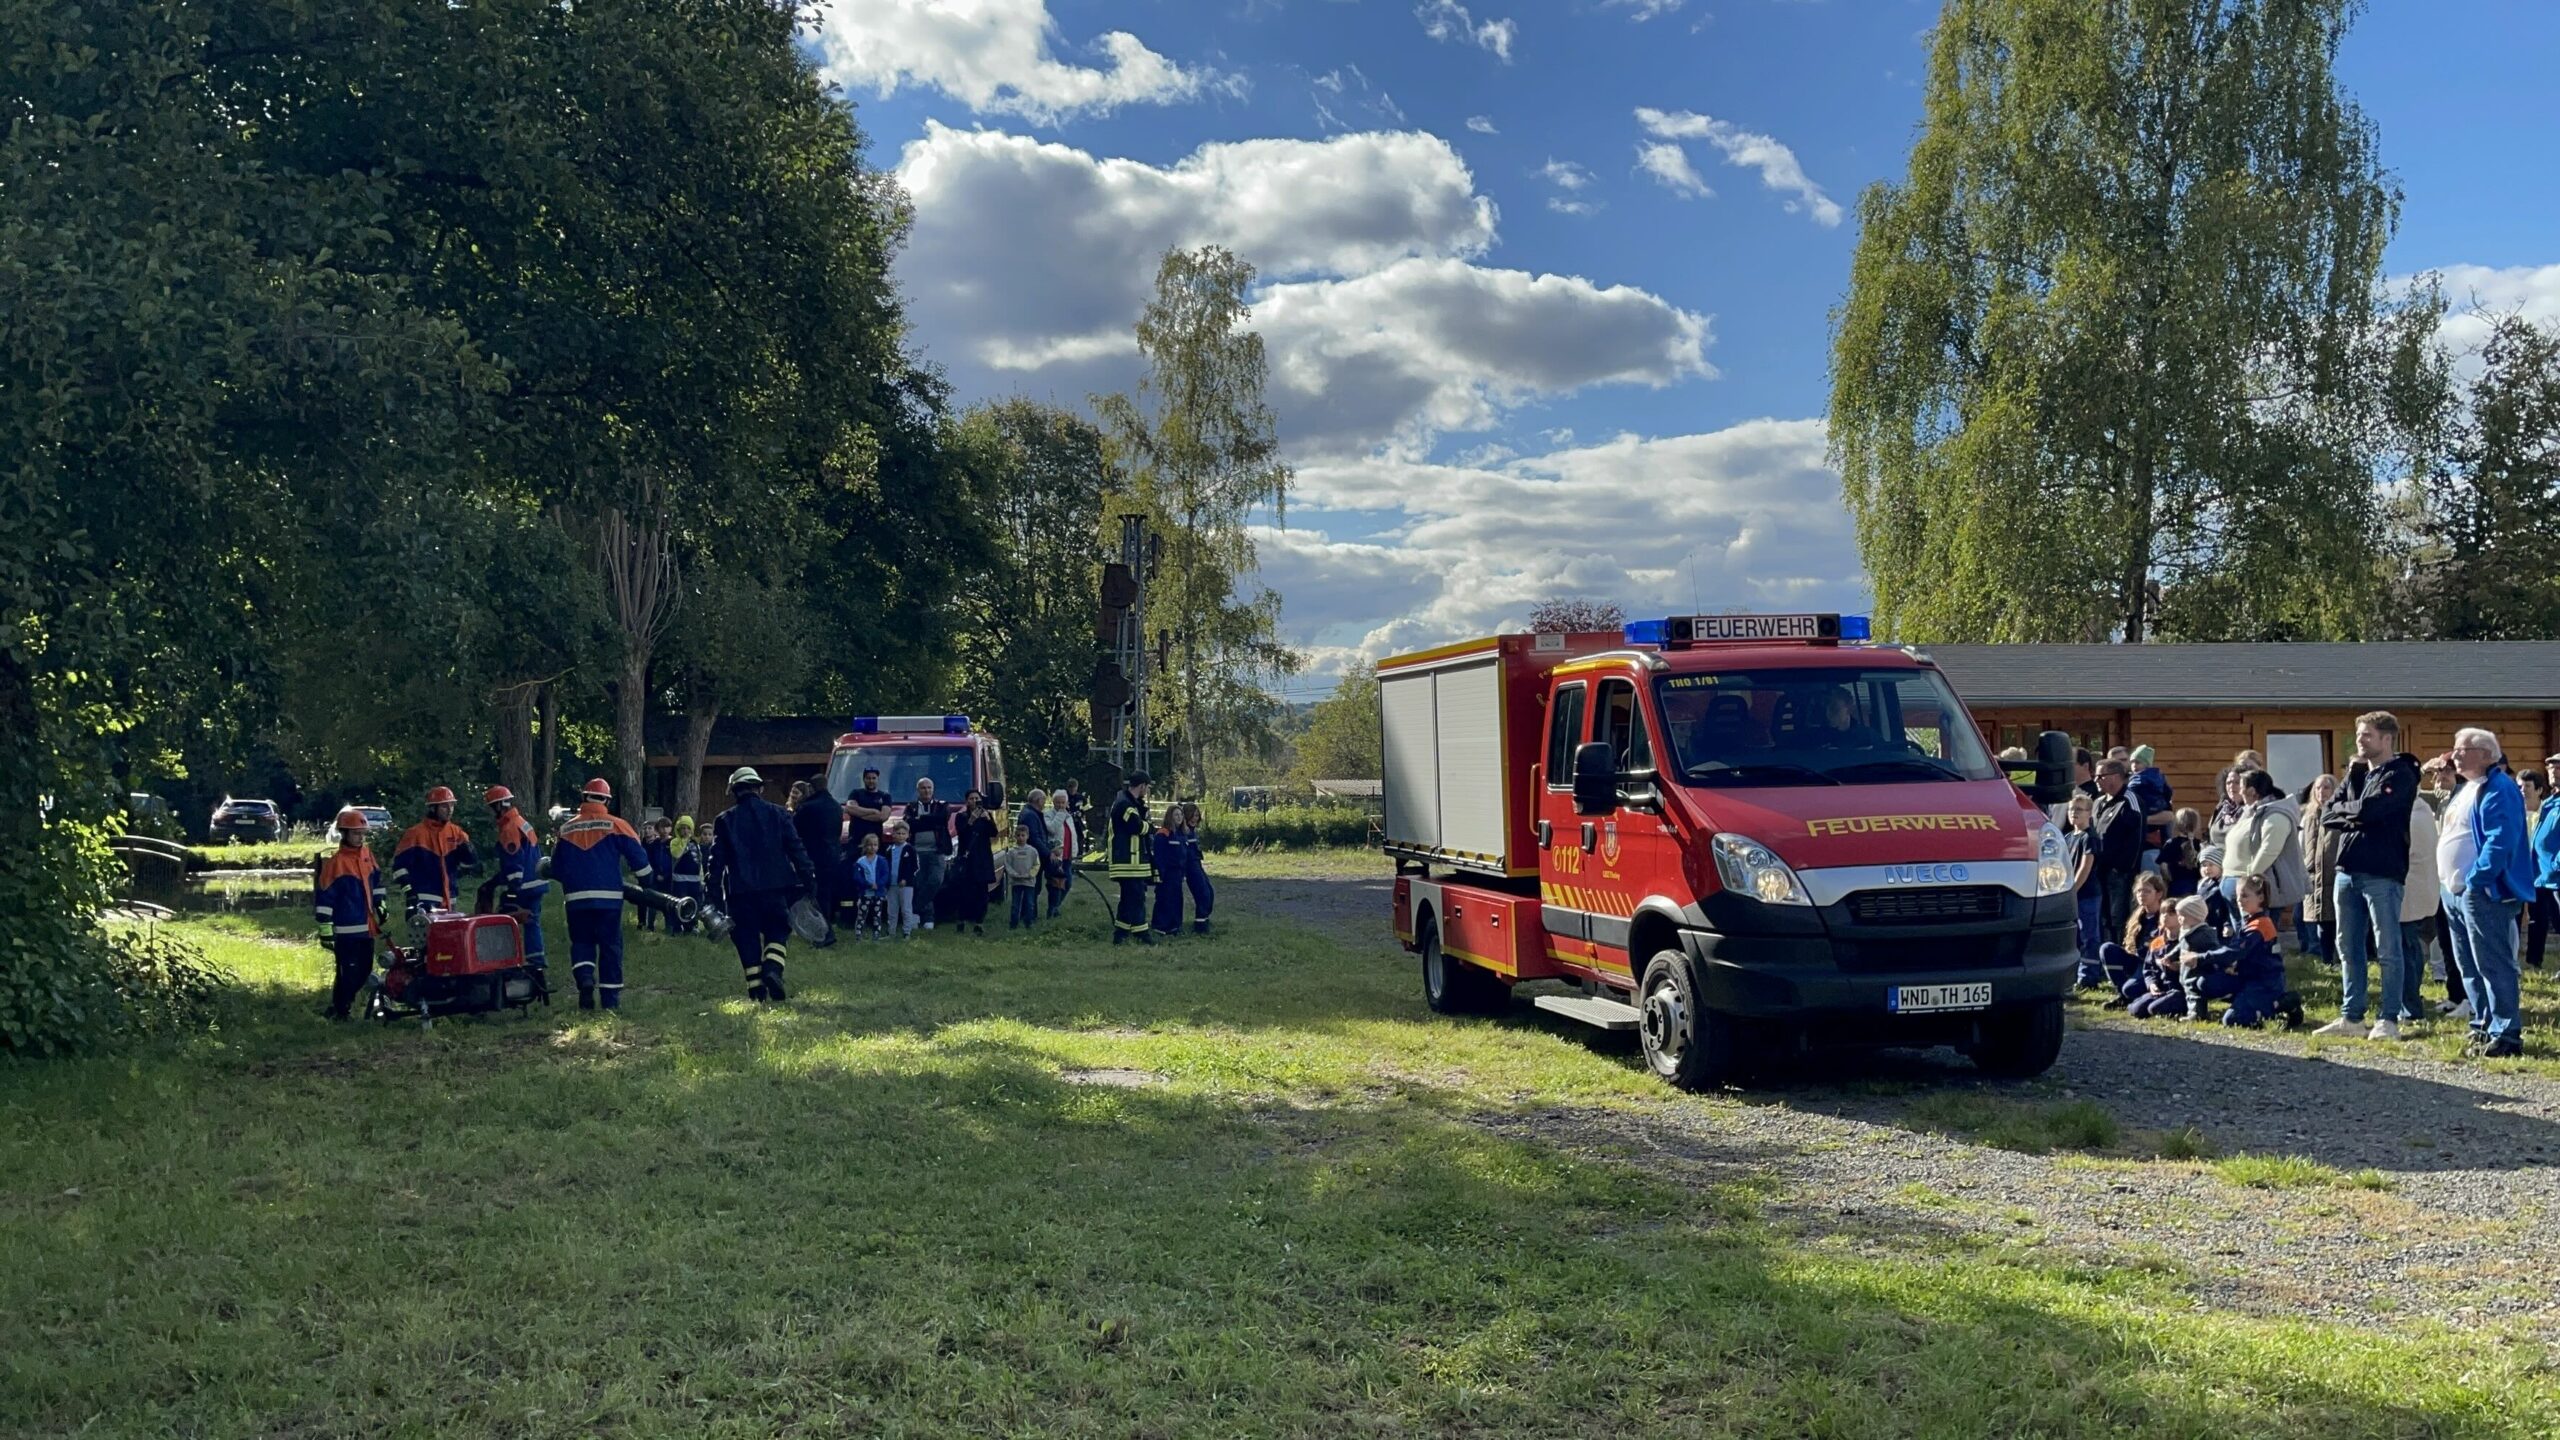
{"x":1590,"y":837}
{"x":1546,"y":833}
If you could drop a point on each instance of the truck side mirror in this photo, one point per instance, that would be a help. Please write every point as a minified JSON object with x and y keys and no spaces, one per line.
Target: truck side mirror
{"x":2055,"y":769}
{"x":1595,"y":779}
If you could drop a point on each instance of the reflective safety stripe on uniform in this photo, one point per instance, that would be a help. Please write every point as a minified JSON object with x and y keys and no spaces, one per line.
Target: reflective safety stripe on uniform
{"x":575,"y":897}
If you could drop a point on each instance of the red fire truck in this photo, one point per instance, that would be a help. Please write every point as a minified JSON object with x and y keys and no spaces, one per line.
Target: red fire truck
{"x":945,"y":749}
{"x":1733,"y":834}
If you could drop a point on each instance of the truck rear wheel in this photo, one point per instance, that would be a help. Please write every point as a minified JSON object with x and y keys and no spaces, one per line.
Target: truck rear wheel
{"x":1454,"y":987}
{"x":1684,"y":1042}
{"x":2017,"y":1044}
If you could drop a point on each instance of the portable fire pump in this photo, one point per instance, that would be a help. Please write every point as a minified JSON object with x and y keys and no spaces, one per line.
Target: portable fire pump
{"x":468,"y":964}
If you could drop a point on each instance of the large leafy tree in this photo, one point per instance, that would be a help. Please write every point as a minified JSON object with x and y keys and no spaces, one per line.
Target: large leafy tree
{"x":1026,"y":645}
{"x":202,"y":356}
{"x":2115,"y":339}
{"x":1204,"y":456}
{"x":1343,"y":740}
{"x":2487,"y":522}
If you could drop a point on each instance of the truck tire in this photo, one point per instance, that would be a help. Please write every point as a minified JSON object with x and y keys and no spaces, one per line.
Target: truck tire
{"x":1684,"y":1042}
{"x":1454,"y":987}
{"x":2021,"y":1043}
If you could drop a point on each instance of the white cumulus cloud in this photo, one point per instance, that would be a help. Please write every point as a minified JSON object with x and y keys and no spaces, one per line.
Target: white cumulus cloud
{"x":998,"y":57}
{"x":1565,"y":175}
{"x":1744,"y":517}
{"x":1669,"y":164}
{"x":1449,"y":20}
{"x":2479,"y":293}
{"x":1030,"y":261}
{"x":1778,"y":167}
{"x":1642,"y":10}
{"x":1482,"y":125}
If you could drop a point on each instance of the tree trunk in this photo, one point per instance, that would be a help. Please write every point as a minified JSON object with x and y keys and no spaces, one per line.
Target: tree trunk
{"x":698,"y":720}
{"x":630,"y":740}
{"x":514,"y":705}
{"x":547,"y":775}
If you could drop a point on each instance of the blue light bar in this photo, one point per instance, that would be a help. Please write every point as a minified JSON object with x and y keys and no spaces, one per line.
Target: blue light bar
{"x":866,"y":724}
{"x":1648,"y":632}
{"x":955,"y":724}
{"x":1853,"y":627}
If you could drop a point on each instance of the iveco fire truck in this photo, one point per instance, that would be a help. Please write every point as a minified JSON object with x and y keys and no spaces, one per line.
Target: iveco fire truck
{"x":1732,"y":834}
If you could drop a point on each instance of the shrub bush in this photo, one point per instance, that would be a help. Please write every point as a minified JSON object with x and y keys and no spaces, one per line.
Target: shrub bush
{"x":1284,"y":827}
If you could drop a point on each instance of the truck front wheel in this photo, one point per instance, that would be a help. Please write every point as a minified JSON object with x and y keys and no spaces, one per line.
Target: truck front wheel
{"x":1454,"y":987}
{"x":1684,"y":1042}
{"x":2021,"y":1043}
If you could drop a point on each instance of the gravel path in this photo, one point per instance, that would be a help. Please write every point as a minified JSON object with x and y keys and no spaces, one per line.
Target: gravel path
{"x":2462,"y":1232}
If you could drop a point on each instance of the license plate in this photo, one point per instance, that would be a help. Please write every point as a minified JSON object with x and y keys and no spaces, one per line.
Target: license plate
{"x":1920,"y":999}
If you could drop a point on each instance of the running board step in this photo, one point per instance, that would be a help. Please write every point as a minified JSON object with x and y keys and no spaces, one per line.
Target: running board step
{"x":1592,"y":1010}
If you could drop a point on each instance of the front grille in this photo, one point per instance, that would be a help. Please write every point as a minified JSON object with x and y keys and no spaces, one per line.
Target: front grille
{"x":1952,"y":952}
{"x":1926,"y":906}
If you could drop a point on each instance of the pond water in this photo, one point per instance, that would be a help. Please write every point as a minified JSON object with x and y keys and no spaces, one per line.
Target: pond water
{"x":244,"y":890}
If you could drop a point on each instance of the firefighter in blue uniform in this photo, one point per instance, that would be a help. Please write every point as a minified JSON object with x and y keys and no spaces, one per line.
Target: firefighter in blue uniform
{"x":1195,"y":871}
{"x":346,"y":888}
{"x":1128,"y":861}
{"x":1168,"y":841}
{"x":520,"y":867}
{"x":594,"y":849}
{"x":685,"y":865}
{"x":758,"y":867}
{"x":432,"y":853}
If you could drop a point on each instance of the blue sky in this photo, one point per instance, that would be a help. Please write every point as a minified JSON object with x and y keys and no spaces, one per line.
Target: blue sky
{"x":1546,"y":284}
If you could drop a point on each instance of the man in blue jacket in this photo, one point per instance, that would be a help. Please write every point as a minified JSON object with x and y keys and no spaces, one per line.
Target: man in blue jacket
{"x":2486,"y":859}
{"x":760,"y":866}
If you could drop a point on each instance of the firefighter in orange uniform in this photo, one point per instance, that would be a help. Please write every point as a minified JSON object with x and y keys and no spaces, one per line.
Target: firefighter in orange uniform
{"x":345,"y":889}
{"x":594,"y":848}
{"x":520,"y":866}
{"x":432,"y":853}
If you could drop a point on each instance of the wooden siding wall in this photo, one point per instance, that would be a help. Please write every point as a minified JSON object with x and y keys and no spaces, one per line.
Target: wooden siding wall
{"x":2195,"y":744}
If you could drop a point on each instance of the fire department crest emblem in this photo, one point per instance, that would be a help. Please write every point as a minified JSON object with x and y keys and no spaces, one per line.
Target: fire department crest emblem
{"x":1609,"y":842}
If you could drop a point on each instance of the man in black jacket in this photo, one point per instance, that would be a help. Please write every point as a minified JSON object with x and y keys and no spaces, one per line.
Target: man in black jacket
{"x":1131,"y":861}
{"x":2115,"y":845}
{"x":819,"y":818}
{"x":759,"y":865}
{"x":2372,"y":809}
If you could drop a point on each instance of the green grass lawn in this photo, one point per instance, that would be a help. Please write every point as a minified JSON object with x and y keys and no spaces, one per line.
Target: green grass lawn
{"x":1033,"y":1185}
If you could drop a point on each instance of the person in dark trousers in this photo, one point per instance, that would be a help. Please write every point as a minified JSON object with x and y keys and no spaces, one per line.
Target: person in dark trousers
{"x":520,"y":865}
{"x":2371,"y":812}
{"x":594,"y":848}
{"x":1195,"y":873}
{"x":929,"y":830}
{"x":659,"y":844}
{"x":819,"y":819}
{"x":684,"y":867}
{"x":971,"y":881}
{"x":2546,"y":866}
{"x":1018,"y":870}
{"x":760,"y":866}
{"x":1129,"y":861}
{"x":2115,"y":846}
{"x":1171,"y":843}
{"x":345,"y":890}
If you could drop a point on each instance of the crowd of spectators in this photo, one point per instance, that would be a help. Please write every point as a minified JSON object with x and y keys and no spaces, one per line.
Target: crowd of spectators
{"x":2386,"y":872}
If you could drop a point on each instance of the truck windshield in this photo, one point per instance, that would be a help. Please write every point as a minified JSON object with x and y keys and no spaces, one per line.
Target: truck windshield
{"x":953,"y":769}
{"x":1844,"y":726}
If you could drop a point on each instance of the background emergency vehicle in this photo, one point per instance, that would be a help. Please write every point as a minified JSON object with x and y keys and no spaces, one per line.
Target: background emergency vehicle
{"x":1734,"y":834}
{"x":946,"y":749}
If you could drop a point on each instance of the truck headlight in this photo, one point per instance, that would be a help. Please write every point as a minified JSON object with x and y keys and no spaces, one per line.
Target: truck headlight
{"x":1748,"y":868}
{"x":2053,"y":872}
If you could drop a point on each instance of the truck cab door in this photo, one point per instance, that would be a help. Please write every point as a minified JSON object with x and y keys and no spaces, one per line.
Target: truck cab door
{"x":1634,"y":853}
{"x":1563,"y":862}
